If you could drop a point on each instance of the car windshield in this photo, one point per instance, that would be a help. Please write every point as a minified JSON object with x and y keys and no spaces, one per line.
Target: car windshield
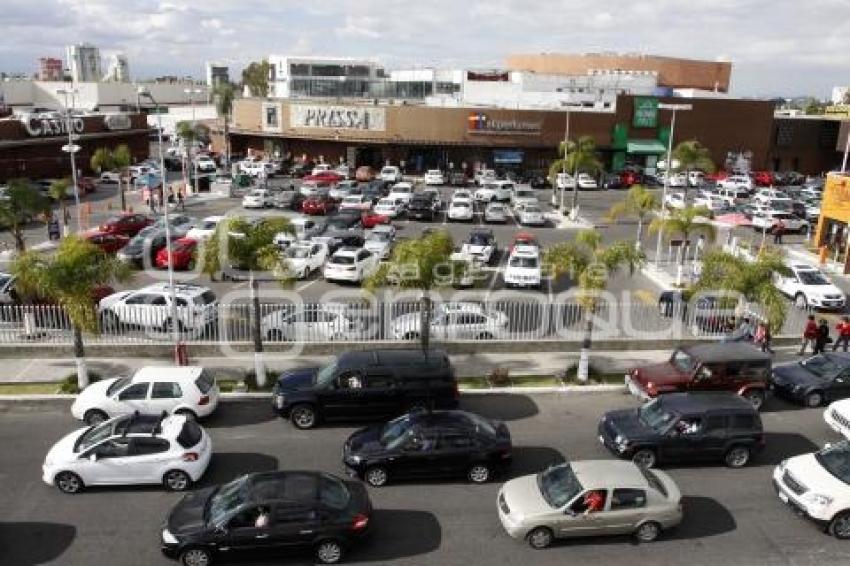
{"x":532,"y":210}
{"x":117,"y":385}
{"x":479,"y":239}
{"x":460,"y":204}
{"x":495,"y":208}
{"x":228,"y":498}
{"x":836,"y":460}
{"x":825,"y":365}
{"x":525,"y":194}
{"x":396,"y":432}
{"x":558,"y":485}
{"x":655,"y":416}
{"x":526,"y":262}
{"x":326,"y":374}
{"x":342,"y":260}
{"x":812,"y":278}
{"x":209,"y":224}
{"x":682,"y":361}
{"x":94,"y":435}
{"x":297,"y":253}
{"x":378,"y":237}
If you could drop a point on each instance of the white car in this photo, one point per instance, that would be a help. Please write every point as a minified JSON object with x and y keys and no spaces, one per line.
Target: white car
{"x":586,"y":182}
{"x":342,"y":189}
{"x":152,"y":390}
{"x":258,"y":198}
{"x":343,"y":170}
{"x":564,"y":181}
{"x":305,"y":257}
{"x":454,"y":321}
{"x":524,"y":267}
{"x":675,"y":200}
{"x":837,"y":416}
{"x":205,"y":229}
{"x":460,"y":209}
{"x":676,"y":180}
{"x":350,"y":264}
{"x":311,"y":188}
{"x":766,"y":222}
{"x":311,"y":323}
{"x":812,"y":192}
{"x":379,"y":240}
{"x":809,"y":287}
{"x":530,"y":214}
{"x":320,"y":168}
{"x":205,"y":163}
{"x":813,"y":211}
{"x":817,"y":486}
{"x":766,"y":195}
{"x":257,"y":168}
{"x":355,"y":202}
{"x":172,"y":451}
{"x":483,"y":176}
{"x":522,"y":196}
{"x":304,"y":228}
{"x":150,"y":307}
{"x":736,"y":181}
{"x":401,"y":191}
{"x":462,"y":194}
{"x":496,"y":212}
{"x":735,"y":194}
{"x":110,"y":177}
{"x":434,"y":177}
{"x":494,"y":191}
{"x":481,"y":245}
{"x":695,"y":178}
{"x":712,"y":201}
{"x":389,"y":207}
{"x":390,"y":173}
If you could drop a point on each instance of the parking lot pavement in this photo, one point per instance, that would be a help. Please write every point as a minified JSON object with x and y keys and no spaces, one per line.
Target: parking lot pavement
{"x":731,"y":516}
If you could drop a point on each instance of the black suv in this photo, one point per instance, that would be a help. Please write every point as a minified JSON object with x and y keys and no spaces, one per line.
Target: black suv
{"x":684,"y":427}
{"x":422,"y":207}
{"x":426,"y":444}
{"x":270,"y":512}
{"x":366,"y":385}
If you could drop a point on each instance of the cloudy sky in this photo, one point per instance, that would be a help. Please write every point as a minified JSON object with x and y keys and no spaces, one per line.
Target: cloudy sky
{"x":778,"y":47}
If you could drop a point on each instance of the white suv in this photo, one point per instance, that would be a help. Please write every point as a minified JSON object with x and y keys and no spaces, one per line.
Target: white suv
{"x":434,"y":177}
{"x":401,"y":191}
{"x":391,"y":173}
{"x":132,"y":449}
{"x":523,"y":268}
{"x":150,"y":307}
{"x":809,"y":287}
{"x":495,"y":190}
{"x":817,"y":485}
{"x":837,"y":416}
{"x":350,"y":264}
{"x":181,"y":390}
{"x":736,"y":181}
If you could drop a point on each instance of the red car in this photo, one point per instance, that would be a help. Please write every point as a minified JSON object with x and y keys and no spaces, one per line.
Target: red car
{"x":126,"y":224}
{"x":630,"y":178}
{"x":524,"y":239}
{"x":108,"y":242}
{"x":369,"y":219}
{"x":183,"y":252}
{"x":325,"y":176}
{"x":763,"y":178}
{"x":86,"y":185}
{"x":321,"y":204}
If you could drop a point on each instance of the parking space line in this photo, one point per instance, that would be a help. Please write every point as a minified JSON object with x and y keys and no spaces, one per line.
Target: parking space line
{"x":306,"y":285}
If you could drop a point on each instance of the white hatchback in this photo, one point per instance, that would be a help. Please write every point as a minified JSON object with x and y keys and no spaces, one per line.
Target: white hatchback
{"x":460,"y":209}
{"x":132,"y":449}
{"x":185,"y":390}
{"x":524,"y":267}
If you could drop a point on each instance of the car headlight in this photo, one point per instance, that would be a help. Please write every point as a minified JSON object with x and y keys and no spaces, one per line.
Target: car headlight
{"x":817,"y":499}
{"x":782,"y":464}
{"x":353,"y":459}
{"x":168,"y":538}
{"x":621,"y":442}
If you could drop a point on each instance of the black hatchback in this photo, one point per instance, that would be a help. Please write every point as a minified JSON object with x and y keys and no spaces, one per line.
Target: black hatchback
{"x":429,"y":444}
{"x":679,"y":427}
{"x":269,"y":513}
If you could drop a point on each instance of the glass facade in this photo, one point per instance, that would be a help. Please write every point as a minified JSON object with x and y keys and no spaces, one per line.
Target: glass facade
{"x":365,"y":88}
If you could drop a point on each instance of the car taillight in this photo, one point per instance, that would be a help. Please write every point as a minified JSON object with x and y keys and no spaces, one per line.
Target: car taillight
{"x":360,"y":522}
{"x":190,"y":457}
{"x":204,"y":400}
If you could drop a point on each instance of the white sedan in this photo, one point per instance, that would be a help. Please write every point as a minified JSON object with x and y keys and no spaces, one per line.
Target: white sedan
{"x":675,"y":200}
{"x":389,"y":207}
{"x":460,"y":209}
{"x":585,"y":181}
{"x":530,"y":214}
{"x":205,"y":228}
{"x":351,"y":265}
{"x":304,"y":258}
{"x":379,"y":240}
{"x":257,"y":198}
{"x":355,"y":202}
{"x":172,"y":451}
{"x":434,"y":177}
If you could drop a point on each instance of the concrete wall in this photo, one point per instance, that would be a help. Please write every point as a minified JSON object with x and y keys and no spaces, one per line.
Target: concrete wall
{"x":96,"y":94}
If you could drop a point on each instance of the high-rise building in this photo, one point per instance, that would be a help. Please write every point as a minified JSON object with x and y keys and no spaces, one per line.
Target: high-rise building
{"x":118,"y":69}
{"x":84,"y":62}
{"x":217,"y":73}
{"x":50,"y":69}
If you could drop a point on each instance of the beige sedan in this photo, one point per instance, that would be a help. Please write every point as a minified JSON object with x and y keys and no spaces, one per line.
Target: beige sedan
{"x":589,"y":498}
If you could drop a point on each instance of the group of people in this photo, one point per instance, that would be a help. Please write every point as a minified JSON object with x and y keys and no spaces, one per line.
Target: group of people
{"x":745,"y":331}
{"x":816,"y":335}
{"x":154,"y":199}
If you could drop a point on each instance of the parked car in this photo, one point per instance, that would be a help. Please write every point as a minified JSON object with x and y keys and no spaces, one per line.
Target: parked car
{"x":765,"y":195}
{"x":350,"y":264}
{"x":429,"y":444}
{"x":343,"y":221}
{"x":523,"y":239}
{"x":401,"y":192}
{"x":150,"y":307}
{"x":837,"y":416}
{"x":682,"y":427}
{"x":367,"y":384}
{"x":108,"y":242}
{"x":766,"y":222}
{"x":389,"y":207}
{"x":556,"y":502}
{"x":763,"y":178}
{"x":379,"y":241}
{"x":530,"y":215}
{"x":370,"y":218}
{"x":494,"y":191}
{"x":318,"y":205}
{"x":481,"y":244}
{"x":612,"y":181}
{"x":454,"y":321}
{"x":523,"y":268}
{"x":495,"y":212}
{"x":482,"y":176}
{"x":272,"y":513}
{"x":434,"y":177}
{"x":817,"y":487}
{"x":814,"y":381}
{"x":422,"y":207}
{"x":110,"y":177}
{"x":737,"y":181}
{"x":305,"y":258}
{"x":676,"y":200}
{"x":460,"y":209}
{"x":204,"y":229}
{"x":287,"y":197}
{"x":205,"y":164}
{"x":734,"y":366}
{"x":586,"y":182}
{"x":458,"y":179}
{"x":391,"y":173}
{"x":133,"y":449}
{"x":312,"y":188}
{"x":257,"y":198}
{"x":182,"y":256}
{"x":522,"y":195}
{"x":127,"y":224}
{"x":355,"y":202}
{"x":325,"y":322}
{"x":809,"y":287}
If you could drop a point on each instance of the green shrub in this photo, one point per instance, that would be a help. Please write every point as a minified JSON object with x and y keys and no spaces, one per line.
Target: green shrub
{"x":499,"y":377}
{"x":70,"y":386}
{"x":251,"y":381}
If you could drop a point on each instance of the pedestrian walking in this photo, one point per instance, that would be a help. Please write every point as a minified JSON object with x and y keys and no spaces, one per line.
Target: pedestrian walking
{"x":53,"y":232}
{"x":778,"y":231}
{"x":763,"y":337}
{"x":843,"y":329}
{"x":181,"y":199}
{"x":823,"y":337}
{"x":810,"y":333}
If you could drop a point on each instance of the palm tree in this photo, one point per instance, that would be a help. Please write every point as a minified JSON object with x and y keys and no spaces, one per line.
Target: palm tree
{"x":639,"y":203}
{"x":579,"y":156}
{"x":70,"y":278}
{"x":223,"y":95}
{"x":691,"y":156}
{"x":59,"y":192}
{"x":591,"y":264}
{"x":247,"y":246}
{"x":685,"y":222}
{"x":21,"y":204}
{"x":102,"y":160}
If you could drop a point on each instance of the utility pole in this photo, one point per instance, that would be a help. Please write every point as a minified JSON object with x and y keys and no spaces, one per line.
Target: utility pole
{"x":71,"y":149}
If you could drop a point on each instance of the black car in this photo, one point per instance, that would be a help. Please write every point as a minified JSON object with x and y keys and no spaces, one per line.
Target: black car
{"x":612,"y":181}
{"x":366,"y":385}
{"x":427,"y":444}
{"x":142,"y":246}
{"x":269,"y":513}
{"x":346,"y":219}
{"x":337,"y":240}
{"x":458,"y":179}
{"x":422,"y":207}
{"x":814,"y":381}
{"x":685,"y":427}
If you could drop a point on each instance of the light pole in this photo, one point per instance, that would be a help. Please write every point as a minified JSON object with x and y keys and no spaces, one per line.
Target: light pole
{"x":72,"y":148}
{"x":190,"y":92}
{"x":668,"y":169}
{"x":564,"y":172}
{"x":174,"y":321}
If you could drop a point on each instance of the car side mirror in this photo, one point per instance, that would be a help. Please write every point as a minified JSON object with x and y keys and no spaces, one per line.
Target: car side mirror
{"x":93,"y":457}
{"x":827,"y":446}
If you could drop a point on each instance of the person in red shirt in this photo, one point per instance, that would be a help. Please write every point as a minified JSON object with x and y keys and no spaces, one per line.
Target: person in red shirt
{"x":594,"y":501}
{"x":843,"y":328}
{"x":810,"y":334}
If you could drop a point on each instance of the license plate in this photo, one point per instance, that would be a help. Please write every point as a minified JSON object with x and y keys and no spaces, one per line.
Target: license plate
{"x":783,"y":497}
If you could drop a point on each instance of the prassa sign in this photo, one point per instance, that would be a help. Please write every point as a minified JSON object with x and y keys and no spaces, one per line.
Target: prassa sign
{"x":337,"y":117}
{"x":37,"y":126}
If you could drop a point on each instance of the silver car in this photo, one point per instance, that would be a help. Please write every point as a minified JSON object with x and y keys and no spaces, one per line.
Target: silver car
{"x":589,"y":498}
{"x":496,"y":212}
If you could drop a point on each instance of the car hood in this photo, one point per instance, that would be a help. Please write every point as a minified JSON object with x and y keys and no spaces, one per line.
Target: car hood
{"x":365,"y":441}
{"x":795,"y":374}
{"x":626,"y":422}
{"x":524,"y":499}
{"x":63,"y":450}
{"x":297,"y":379}
{"x":661,"y":374}
{"x":187,"y":517}
{"x":807,"y":470}
{"x":94,"y":392}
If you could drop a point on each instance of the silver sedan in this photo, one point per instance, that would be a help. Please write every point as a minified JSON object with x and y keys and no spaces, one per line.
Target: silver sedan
{"x":496,"y":212}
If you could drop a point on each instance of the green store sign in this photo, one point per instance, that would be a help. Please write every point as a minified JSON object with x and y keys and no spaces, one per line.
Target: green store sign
{"x":646,"y":113}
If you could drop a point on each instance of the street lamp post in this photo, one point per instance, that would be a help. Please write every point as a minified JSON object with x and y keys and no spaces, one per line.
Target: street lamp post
{"x":190,"y":92}
{"x":174,"y":321}
{"x":675,"y":108}
{"x":72,"y":148}
{"x":564,"y":172}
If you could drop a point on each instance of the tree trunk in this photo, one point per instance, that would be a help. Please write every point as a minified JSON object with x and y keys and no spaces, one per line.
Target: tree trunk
{"x":583,"y":370}
{"x":639,"y":233}
{"x":121,"y":193}
{"x":80,"y":359}
{"x":259,"y":366}
{"x":18,"y":235}
{"x":425,"y":321}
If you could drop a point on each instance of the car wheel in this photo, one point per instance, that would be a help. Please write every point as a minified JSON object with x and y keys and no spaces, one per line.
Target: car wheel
{"x":303,"y":416}
{"x":645,"y":457}
{"x":755,"y":397}
{"x":800,"y":301}
{"x":195,"y":557}
{"x":648,"y":531}
{"x":68,"y":482}
{"x":328,"y":552}
{"x":540,"y":538}
{"x":814,"y":399}
{"x":94,"y":417}
{"x":376,"y":476}
{"x":176,"y":480}
{"x":189,"y":414}
{"x":479,"y":473}
{"x":737,"y":457}
{"x":839,"y":527}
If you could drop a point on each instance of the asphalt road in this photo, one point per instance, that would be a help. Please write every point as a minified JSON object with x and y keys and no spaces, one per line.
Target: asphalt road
{"x":731,"y":516}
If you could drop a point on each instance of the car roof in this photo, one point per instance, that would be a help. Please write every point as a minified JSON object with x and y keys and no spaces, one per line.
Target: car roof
{"x":390,"y":356}
{"x":726,"y":352}
{"x":167,"y":373}
{"x":526,"y":250}
{"x":597,"y":474}
{"x":705,"y":401}
{"x":296,"y":486}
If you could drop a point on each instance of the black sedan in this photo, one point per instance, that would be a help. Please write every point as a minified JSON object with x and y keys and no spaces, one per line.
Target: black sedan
{"x":426,"y":444}
{"x":814,"y":381}
{"x":268,"y":513}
